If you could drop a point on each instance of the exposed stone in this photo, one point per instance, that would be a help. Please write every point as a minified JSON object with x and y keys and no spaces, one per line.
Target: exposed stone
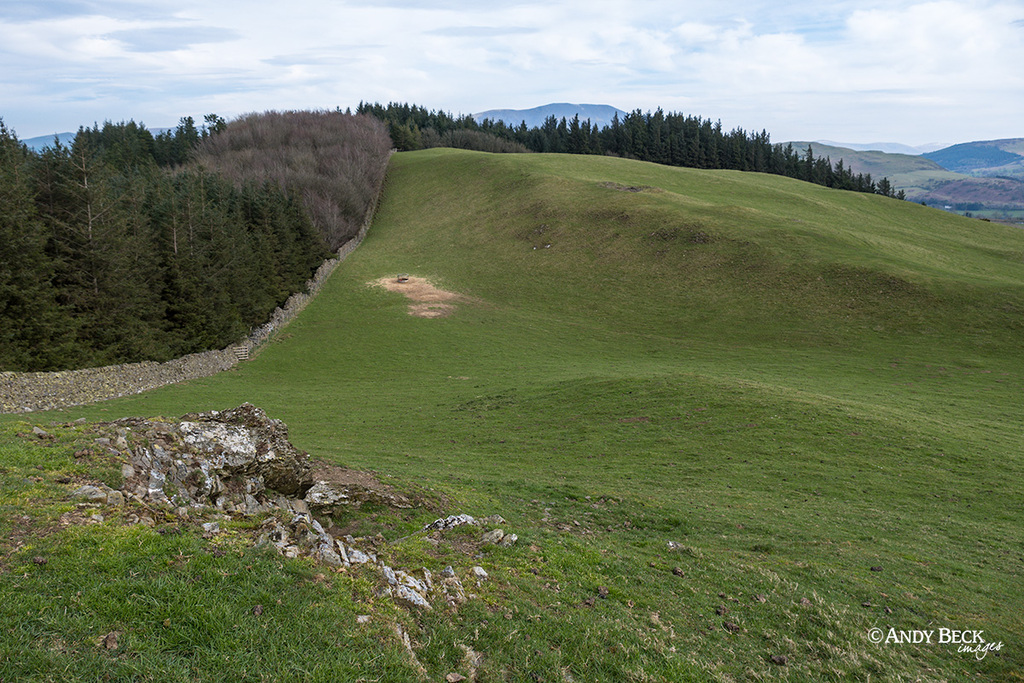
{"x":449,"y":522}
{"x":90,"y":493}
{"x":356,"y":556}
{"x":454,"y":593}
{"x":494,"y":536}
{"x":509,"y":540}
{"x":222,"y":464}
{"x":410,"y":598}
{"x":245,"y":441}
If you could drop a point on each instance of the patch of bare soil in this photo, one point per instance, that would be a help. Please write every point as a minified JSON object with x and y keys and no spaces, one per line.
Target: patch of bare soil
{"x":325,"y":471}
{"x":426,"y":300}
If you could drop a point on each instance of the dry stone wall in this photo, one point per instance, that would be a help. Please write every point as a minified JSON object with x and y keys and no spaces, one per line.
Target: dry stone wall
{"x":23,"y":392}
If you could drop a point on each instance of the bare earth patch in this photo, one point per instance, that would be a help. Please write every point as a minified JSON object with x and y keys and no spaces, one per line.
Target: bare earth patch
{"x":427,"y":301}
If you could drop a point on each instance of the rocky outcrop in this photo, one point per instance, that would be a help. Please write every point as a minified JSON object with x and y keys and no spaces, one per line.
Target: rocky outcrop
{"x":213,"y":466}
{"x":234,"y":461}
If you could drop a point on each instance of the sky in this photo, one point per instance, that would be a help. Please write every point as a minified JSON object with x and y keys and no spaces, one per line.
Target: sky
{"x":942,"y":71}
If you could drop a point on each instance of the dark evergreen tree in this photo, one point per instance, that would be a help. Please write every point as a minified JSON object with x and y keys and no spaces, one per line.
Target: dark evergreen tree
{"x":34,"y":332}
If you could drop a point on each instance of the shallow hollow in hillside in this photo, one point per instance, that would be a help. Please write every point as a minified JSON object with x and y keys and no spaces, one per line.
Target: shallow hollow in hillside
{"x":427,"y":300}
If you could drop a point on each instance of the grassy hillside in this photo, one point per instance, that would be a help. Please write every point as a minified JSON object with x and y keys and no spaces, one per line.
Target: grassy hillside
{"x":736,"y":420}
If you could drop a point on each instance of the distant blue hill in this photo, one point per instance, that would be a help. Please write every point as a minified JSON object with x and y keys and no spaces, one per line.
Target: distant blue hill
{"x":43,"y":141}
{"x":983,"y":158}
{"x":888,"y":147}
{"x":599,"y":114}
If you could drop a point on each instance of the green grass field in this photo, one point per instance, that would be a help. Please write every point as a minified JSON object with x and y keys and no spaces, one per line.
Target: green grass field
{"x":815,"y":394}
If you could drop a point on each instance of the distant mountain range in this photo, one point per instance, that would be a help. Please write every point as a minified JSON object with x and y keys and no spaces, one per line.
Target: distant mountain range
{"x":890,"y":147}
{"x":600,"y":114}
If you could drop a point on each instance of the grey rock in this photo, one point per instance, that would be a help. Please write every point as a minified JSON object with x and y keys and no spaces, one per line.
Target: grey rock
{"x":325,"y":553}
{"x":410,"y":598}
{"x":90,"y":493}
{"x":449,"y":522}
{"x":411,"y":582}
{"x":115,"y":498}
{"x":509,"y":540}
{"x":494,"y":536}
{"x":428,"y":579}
{"x":453,"y":591}
{"x":332,"y":495}
{"x":356,"y":556}
{"x":479,"y":573}
{"x":211,"y":527}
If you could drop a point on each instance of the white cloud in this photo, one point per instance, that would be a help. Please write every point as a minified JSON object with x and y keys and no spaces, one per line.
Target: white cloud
{"x":945,"y":69}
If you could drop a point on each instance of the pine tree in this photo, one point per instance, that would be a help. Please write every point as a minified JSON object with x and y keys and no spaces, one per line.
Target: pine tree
{"x":34,"y":333}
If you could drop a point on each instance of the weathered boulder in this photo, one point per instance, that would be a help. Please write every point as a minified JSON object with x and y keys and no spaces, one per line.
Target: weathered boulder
{"x":237,"y":460}
{"x":245,"y":440}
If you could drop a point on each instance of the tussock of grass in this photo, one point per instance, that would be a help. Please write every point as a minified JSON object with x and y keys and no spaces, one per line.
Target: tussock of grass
{"x":792,"y":385}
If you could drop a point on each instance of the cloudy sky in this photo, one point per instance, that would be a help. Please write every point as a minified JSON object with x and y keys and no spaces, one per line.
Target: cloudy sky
{"x":852,"y":71}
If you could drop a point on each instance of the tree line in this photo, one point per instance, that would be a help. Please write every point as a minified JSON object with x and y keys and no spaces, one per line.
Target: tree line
{"x":119,"y":247}
{"x":672,"y":139}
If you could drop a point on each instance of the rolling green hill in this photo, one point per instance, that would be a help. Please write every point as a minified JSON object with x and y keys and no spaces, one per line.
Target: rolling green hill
{"x":737,"y":421}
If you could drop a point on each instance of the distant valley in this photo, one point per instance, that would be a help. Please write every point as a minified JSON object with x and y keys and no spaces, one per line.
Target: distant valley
{"x":984,"y":179}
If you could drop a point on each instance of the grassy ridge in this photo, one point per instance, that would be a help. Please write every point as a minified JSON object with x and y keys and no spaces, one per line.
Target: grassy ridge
{"x":794,"y":384}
